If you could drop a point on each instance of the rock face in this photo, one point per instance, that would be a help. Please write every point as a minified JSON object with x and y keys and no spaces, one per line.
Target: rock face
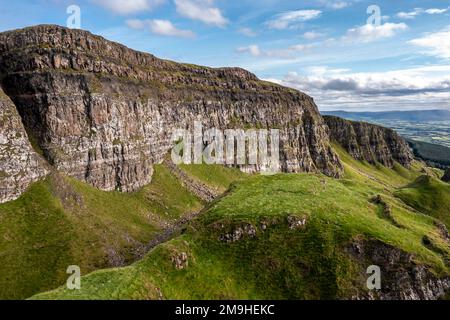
{"x":105,"y":114}
{"x":370,"y":142}
{"x":401,"y":277}
{"x":446,"y":177}
{"x":20,"y":165}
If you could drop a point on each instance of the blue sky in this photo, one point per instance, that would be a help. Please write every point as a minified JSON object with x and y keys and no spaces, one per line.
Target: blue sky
{"x":326,"y":48}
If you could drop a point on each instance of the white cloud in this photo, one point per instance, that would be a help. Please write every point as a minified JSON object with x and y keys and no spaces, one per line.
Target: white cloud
{"x":324,"y":70}
{"x":129,"y":6}
{"x":336,"y":4}
{"x":248,"y":32}
{"x":136,"y":24}
{"x":285,"y":53}
{"x":410,"y":14}
{"x":201,"y":10}
{"x":436,"y":42}
{"x":160,"y":27}
{"x":339,"y":5}
{"x":371,"y":32}
{"x":419,"y":87}
{"x":252,"y":49}
{"x":420,"y":11}
{"x":289,"y":19}
{"x":437,"y":11}
{"x":311,"y":35}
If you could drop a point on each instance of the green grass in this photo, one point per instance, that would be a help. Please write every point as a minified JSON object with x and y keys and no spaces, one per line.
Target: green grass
{"x":214,"y":176}
{"x":428,"y":195}
{"x":279,"y":263}
{"x":60,"y":222}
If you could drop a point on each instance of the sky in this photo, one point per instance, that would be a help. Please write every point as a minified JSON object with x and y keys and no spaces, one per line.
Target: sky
{"x":353,"y":55}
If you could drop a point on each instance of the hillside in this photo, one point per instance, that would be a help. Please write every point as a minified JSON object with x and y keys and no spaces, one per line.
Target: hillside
{"x":433,"y":154}
{"x":60,"y":221}
{"x":428,"y":195}
{"x":291,"y":236}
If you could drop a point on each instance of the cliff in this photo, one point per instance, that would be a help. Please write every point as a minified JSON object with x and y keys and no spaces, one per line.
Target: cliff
{"x":105,"y":114}
{"x":372,"y":143}
{"x":20,"y":165}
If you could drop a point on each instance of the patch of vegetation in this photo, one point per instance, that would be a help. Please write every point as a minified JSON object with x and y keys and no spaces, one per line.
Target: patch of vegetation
{"x":428,"y":195}
{"x":3,"y":174}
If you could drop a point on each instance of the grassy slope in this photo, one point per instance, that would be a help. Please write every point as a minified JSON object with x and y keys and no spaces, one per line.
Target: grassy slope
{"x":61,"y":221}
{"x":431,"y":152}
{"x":428,"y":195}
{"x":280,"y":262}
{"x":214,"y":176}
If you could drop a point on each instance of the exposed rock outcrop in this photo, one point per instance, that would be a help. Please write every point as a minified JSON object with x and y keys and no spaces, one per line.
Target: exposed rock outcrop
{"x":446,"y":177}
{"x":20,"y":165}
{"x":105,"y":114}
{"x":365,"y":141}
{"x":180,"y":261}
{"x":401,"y":277}
{"x":245,"y":231}
{"x":201,"y":190}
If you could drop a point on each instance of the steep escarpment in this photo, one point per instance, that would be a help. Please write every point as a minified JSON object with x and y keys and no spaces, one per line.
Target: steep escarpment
{"x":105,"y":114}
{"x":20,"y":165}
{"x":370,"y":142}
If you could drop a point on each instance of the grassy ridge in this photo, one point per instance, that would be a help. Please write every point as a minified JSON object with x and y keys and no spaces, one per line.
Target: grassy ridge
{"x":279,"y":262}
{"x":428,"y":195}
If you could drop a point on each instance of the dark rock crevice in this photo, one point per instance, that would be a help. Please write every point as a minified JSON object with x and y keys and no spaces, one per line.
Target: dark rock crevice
{"x":446,"y":177}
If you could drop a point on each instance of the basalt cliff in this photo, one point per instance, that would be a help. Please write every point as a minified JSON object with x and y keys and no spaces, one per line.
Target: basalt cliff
{"x":105,"y":114}
{"x":20,"y":165}
{"x":372,"y":143}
